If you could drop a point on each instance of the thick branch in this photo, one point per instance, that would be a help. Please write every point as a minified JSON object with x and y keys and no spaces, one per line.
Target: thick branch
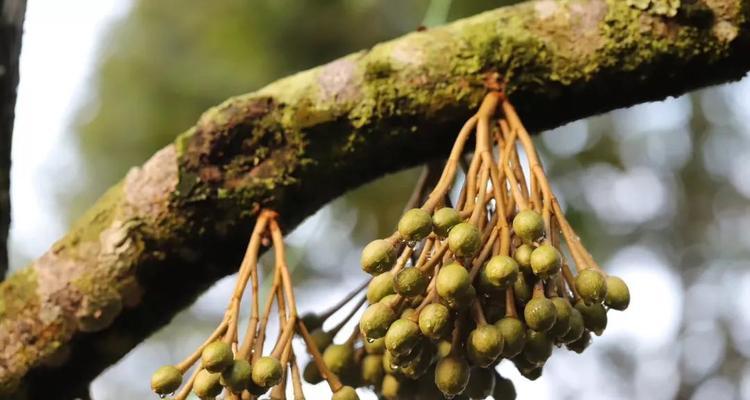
{"x":176,"y":224}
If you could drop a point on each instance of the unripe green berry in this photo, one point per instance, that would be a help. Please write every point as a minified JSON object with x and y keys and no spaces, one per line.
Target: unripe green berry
{"x":402,"y":336}
{"x":504,"y":389}
{"x":581,"y":343}
{"x":484,"y":345}
{"x":345,"y":393}
{"x":618,"y":294}
{"x":166,"y":380}
{"x":576,"y":327}
{"x":372,"y":369}
{"x":540,"y":314}
{"x":522,"y":255}
{"x":444,"y":348}
{"x":378,"y":257}
{"x":312,"y":321}
{"x":415,"y":225}
{"x":338,"y":358}
{"x":376,"y":346}
{"x":410,"y":282}
{"x":206,"y":384}
{"x":528,"y":225}
{"x":408,"y":313}
{"x":375,"y":321}
{"x":379,"y":287}
{"x":321,"y":339}
{"x":522,"y":289}
{"x":444,"y":220}
{"x":217,"y":356}
{"x":451,"y":375}
{"x":481,"y":383}
{"x":545,"y":261}
{"x":461,"y":301}
{"x":514,"y":336}
{"x":311,"y":374}
{"x":538,"y":347}
{"x":591,"y":286}
{"x":594,"y":316}
{"x":389,"y":363}
{"x":452,"y":281}
{"x":562,"y":324}
{"x":237,"y":376}
{"x":498,"y":273}
{"x":391,"y":387}
{"x":266,"y":372}
{"x":464,"y":240}
{"x":435,"y":321}
{"x":256,"y":390}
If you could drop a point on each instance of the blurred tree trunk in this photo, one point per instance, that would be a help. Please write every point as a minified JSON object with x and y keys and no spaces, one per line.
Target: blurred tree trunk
{"x":173,"y":226}
{"x":11,"y":30}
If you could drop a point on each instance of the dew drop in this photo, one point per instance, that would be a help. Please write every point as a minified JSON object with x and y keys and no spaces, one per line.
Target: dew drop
{"x":370,"y":340}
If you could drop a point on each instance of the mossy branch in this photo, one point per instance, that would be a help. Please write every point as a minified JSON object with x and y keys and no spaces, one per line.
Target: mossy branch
{"x":175,"y":225}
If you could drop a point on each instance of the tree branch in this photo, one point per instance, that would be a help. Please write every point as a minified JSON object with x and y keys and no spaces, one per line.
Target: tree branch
{"x":178,"y":223}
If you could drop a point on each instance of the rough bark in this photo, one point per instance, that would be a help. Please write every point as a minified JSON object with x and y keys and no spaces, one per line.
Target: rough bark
{"x":11,"y":29}
{"x":179,"y":222}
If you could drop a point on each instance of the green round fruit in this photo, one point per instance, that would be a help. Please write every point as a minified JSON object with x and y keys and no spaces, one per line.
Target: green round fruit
{"x":451,"y":375}
{"x":402,"y":336}
{"x":266,"y":372}
{"x":237,"y":376}
{"x":444,"y":220}
{"x":538,"y":347}
{"x":522,"y":255}
{"x":504,"y":388}
{"x":461,"y":301}
{"x":338,"y":358}
{"x":321,"y":338}
{"x":415,"y":225}
{"x":312,"y":321}
{"x":435,"y":321}
{"x":311,"y":374}
{"x":375,"y":321}
{"x":166,"y":380}
{"x":372,"y":369}
{"x":581,"y":343}
{"x":217,"y":356}
{"x":522,"y":289}
{"x":528,"y":225}
{"x":465,"y":240}
{"x":481,"y":383}
{"x":576,"y":327}
{"x":376,"y":346}
{"x":618,"y":294}
{"x":498,"y":273}
{"x":594,"y":316}
{"x":378,"y":257}
{"x":484,"y":344}
{"x":410,"y":282}
{"x":591,"y":286}
{"x":452,"y":281}
{"x":379,"y":287}
{"x":444,"y":348}
{"x":545,"y":261}
{"x":391,"y":387}
{"x":562,"y":323}
{"x":206,"y":384}
{"x":345,"y":393}
{"x":540,"y":314}
{"x":514,"y":336}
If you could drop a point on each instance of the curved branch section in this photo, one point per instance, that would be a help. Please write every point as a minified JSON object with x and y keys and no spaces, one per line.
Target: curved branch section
{"x":178,"y":223}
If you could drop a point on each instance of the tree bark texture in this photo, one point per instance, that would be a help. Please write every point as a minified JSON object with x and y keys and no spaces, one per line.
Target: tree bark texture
{"x":176,"y":224}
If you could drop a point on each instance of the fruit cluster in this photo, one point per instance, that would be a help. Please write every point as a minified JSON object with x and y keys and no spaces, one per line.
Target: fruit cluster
{"x":457,"y":288}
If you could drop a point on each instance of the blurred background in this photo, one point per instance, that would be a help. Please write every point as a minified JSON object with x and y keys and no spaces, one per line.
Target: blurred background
{"x":659,"y":192}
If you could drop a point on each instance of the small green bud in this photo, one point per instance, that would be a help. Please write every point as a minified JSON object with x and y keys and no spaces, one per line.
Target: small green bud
{"x":545,"y":261}
{"x":338,"y":358}
{"x":522,"y":289}
{"x":166,"y":380}
{"x":465,"y":240}
{"x":562,"y":324}
{"x":379,"y":287}
{"x":217,"y":356}
{"x":484,"y":345}
{"x":266,"y":372}
{"x":402,"y":336}
{"x":236,"y":377}
{"x":372,"y":369}
{"x":594,"y":316}
{"x":378,"y":257}
{"x":618,"y":294}
{"x":591,"y":286}
{"x":312,"y":321}
{"x":321,"y":339}
{"x":538,"y":347}
{"x":415,"y":225}
{"x":375,"y":321}
{"x":311,"y":374}
{"x":576,"y":327}
{"x":435,"y":321}
{"x":410,"y":282}
{"x":522,"y":255}
{"x":345,"y":393}
{"x":581,"y":343}
{"x":452,"y":375}
{"x":514,"y":336}
{"x":206,"y":384}
{"x":540,"y":314}
{"x":528,"y":225}
{"x":498,"y":273}
{"x":481,"y":383}
{"x":444,"y":219}
{"x":452,"y":281}
{"x":376,"y":346}
{"x":504,"y":388}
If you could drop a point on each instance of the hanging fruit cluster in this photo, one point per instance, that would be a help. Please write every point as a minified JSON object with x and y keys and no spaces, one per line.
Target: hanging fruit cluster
{"x":457,"y":288}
